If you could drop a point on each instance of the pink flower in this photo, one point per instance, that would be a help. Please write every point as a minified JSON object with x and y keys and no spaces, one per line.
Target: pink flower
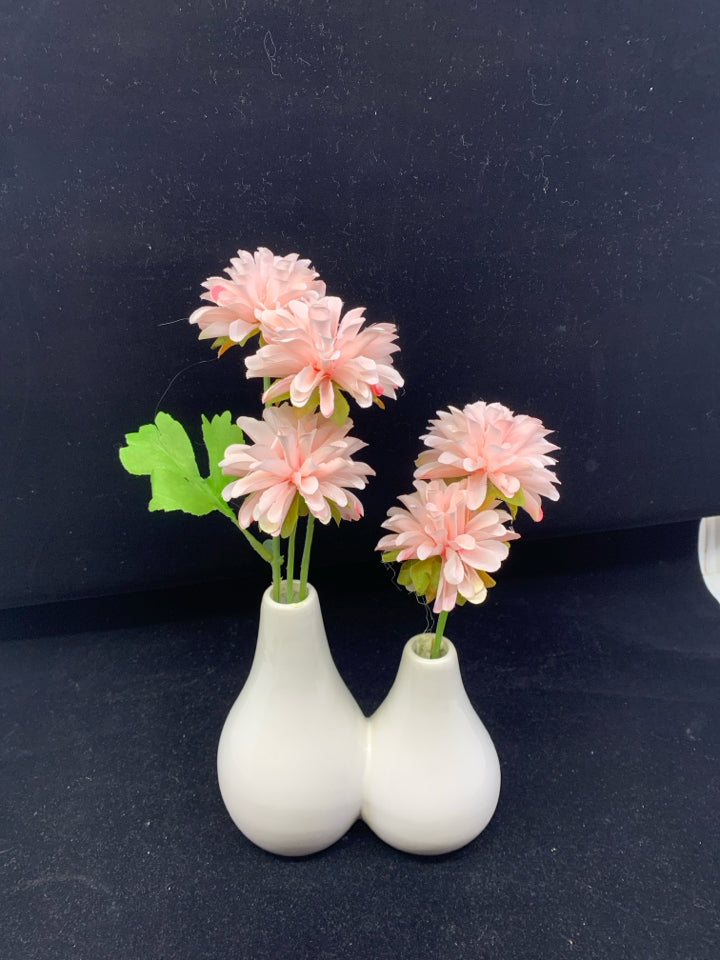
{"x":312,"y":348}
{"x":258,"y":281}
{"x":436,"y":521}
{"x":290,"y":456}
{"x":486,"y":442}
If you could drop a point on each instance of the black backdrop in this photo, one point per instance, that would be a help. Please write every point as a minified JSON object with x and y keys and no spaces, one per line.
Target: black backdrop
{"x":530,"y":191}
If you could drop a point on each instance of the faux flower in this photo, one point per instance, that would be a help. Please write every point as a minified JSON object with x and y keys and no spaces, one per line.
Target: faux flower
{"x":294,"y":457}
{"x":315,"y":350}
{"x":488,"y":443}
{"x":437,"y":522}
{"x":258,"y":281}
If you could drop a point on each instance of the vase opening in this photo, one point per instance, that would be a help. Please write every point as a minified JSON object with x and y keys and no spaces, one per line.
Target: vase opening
{"x":283,"y":602}
{"x":422,"y":645}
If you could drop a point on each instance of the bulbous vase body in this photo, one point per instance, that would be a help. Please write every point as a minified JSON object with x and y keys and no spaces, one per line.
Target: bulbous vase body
{"x":292,"y":752}
{"x":433,"y":776}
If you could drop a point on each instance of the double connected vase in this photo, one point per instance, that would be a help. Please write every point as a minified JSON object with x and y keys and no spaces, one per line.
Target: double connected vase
{"x":298,"y":762}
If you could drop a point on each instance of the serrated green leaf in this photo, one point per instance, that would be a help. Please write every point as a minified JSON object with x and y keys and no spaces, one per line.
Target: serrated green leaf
{"x":163,"y":452}
{"x":160,"y":445}
{"x":218,"y":434}
{"x":172,"y":491}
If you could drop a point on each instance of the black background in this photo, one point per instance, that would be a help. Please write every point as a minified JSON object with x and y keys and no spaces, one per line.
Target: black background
{"x":532,"y":193}
{"x":529,"y":191}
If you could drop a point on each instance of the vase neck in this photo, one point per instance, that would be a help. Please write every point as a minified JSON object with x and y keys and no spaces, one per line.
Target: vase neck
{"x":292,"y":635}
{"x":438,"y":677}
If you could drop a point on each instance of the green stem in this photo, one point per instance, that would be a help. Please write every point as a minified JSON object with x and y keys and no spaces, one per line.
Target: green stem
{"x":276,"y":554}
{"x":255,"y":543}
{"x":290,"y":566}
{"x":439,"y":632}
{"x":305,"y":562}
{"x":276,"y":566}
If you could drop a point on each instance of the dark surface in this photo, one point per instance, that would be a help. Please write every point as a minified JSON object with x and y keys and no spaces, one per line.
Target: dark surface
{"x":532,"y":191}
{"x":595,"y":665}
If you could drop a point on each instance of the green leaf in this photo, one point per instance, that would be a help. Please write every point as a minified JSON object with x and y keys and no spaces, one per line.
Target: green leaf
{"x":404,"y":578}
{"x":283,"y":398}
{"x":218,"y":434}
{"x":160,"y":445}
{"x":313,"y":402}
{"x":421,"y":576}
{"x":390,"y":556}
{"x":335,"y":512}
{"x":291,"y":519}
{"x":173,"y":491}
{"x":486,"y":579}
{"x":163,"y":452}
{"x":425,"y":575}
{"x":248,"y":336}
{"x":342,"y":407}
{"x":517,"y":499}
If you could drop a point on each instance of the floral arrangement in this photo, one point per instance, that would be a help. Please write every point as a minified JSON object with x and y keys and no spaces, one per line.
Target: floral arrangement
{"x":481,"y":464}
{"x":313,"y":359}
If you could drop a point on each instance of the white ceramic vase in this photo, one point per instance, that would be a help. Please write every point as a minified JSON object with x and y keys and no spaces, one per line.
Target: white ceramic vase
{"x":433,"y":777}
{"x":291,"y":756}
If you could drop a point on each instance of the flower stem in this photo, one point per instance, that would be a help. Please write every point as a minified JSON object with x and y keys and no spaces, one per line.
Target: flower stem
{"x":305,"y":562}
{"x":255,"y":544}
{"x":442,"y":620}
{"x":276,"y":559}
{"x":290,"y":566}
{"x":276,"y":566}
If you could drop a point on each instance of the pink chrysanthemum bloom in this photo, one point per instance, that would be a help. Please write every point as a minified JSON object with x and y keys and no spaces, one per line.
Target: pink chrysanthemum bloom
{"x":436,"y":521}
{"x":258,"y":281}
{"x":486,"y":442}
{"x":313,"y":348}
{"x":290,"y":456}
